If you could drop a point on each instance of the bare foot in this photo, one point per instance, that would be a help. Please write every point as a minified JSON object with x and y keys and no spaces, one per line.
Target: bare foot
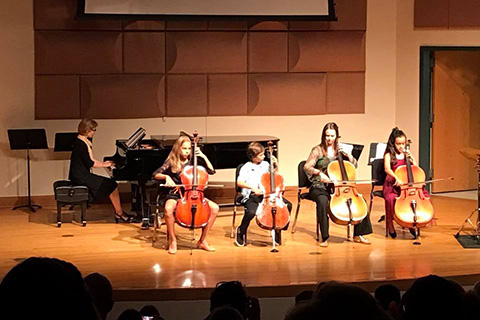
{"x":205,"y":246}
{"x":172,"y":248}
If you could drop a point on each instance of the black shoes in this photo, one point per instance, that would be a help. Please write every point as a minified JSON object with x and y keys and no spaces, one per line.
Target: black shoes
{"x":123,"y":218}
{"x":240,"y":239}
{"x":393,"y":234}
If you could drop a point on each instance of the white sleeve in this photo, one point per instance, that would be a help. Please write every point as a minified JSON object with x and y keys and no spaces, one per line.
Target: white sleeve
{"x":243,"y":175}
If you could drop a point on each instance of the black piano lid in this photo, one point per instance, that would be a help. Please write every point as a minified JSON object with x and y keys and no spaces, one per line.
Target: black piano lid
{"x":170,"y":139}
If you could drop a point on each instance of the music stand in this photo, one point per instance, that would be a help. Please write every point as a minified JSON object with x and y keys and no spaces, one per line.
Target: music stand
{"x":64,"y":141}
{"x":377,"y":150}
{"x":472,"y":154}
{"x":354,"y":149}
{"x":27,"y":139}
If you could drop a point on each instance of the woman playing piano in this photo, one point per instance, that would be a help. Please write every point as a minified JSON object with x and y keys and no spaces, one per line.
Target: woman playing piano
{"x":170,"y":171}
{"x":81,"y":164}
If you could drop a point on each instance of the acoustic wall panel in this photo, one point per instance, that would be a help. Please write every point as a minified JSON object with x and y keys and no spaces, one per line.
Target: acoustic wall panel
{"x":308,"y":25}
{"x":68,"y":52}
{"x":286,"y":94}
{"x":187,"y":25}
{"x":122,"y":96}
{"x":143,"y":25}
{"x":345,"y":93}
{"x":333,"y":51}
{"x":227,"y":94}
{"x":431,"y":13}
{"x":267,"y":25}
{"x":352,"y":15}
{"x":267,"y":52}
{"x":186,"y":95}
{"x":57,"y":97}
{"x":144,"y":52}
{"x":206,"y":52}
{"x":464,"y":13}
{"x":54,"y":14}
{"x":219,"y":25}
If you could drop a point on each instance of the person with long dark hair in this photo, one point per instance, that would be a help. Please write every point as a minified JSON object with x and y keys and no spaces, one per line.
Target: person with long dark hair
{"x":81,"y":164}
{"x":316,"y":170}
{"x":394,"y":157}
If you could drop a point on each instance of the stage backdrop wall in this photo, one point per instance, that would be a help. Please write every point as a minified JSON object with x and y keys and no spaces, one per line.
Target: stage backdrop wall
{"x":391,"y":98}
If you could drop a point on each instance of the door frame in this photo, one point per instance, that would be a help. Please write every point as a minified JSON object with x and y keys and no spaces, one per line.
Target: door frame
{"x":427,"y":62}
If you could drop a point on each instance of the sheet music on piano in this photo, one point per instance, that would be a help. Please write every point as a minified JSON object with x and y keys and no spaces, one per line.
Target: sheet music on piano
{"x":135,"y":138}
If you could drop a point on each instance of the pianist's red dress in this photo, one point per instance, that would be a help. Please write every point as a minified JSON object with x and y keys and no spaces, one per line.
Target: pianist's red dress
{"x":80,"y":174}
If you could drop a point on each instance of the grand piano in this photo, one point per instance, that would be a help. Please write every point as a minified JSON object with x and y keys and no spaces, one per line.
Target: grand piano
{"x":136,"y":159}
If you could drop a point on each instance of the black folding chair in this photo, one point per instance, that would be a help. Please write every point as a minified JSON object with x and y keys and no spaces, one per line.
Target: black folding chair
{"x":303,"y":193}
{"x":379,"y":175}
{"x":236,"y":199}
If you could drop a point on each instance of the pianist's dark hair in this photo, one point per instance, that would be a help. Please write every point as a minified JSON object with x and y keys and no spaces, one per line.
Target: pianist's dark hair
{"x":85,"y":125}
{"x":174,"y":156}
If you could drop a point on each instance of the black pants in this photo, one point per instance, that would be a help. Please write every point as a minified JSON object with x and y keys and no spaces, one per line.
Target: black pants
{"x":322,"y":199}
{"x":251,"y":206}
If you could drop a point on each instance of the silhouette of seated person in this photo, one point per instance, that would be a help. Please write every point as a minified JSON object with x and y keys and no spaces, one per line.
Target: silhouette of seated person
{"x":130,"y":314}
{"x":389,"y":298}
{"x":101,"y":291}
{"x":45,"y":288}
{"x":433,"y":297}
{"x":225,"y":313}
{"x":151,"y":311}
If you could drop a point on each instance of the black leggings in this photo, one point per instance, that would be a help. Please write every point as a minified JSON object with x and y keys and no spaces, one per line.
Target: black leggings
{"x":322,"y":199}
{"x":251,"y":206}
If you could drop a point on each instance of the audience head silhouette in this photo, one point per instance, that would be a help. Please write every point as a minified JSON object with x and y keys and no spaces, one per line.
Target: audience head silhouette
{"x":101,"y":291}
{"x":433,"y":297}
{"x":231,"y":294}
{"x":225,"y":313}
{"x":45,"y":288}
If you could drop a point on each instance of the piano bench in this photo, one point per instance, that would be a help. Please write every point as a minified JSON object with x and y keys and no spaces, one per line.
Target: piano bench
{"x":68,"y":194}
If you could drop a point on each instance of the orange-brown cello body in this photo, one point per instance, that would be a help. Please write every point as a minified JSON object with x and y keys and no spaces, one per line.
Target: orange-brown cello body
{"x":347,"y":206}
{"x":272,"y":213}
{"x":193,"y":210}
{"x":412,"y":207}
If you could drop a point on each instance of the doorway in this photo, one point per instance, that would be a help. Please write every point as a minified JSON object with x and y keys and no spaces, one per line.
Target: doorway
{"x":449,"y":115}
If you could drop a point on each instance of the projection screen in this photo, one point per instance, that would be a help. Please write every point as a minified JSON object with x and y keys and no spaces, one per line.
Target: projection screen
{"x":240,"y":8}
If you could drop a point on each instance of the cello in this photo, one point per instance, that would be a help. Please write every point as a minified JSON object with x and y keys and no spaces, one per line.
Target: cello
{"x":347,"y":206}
{"x":193,"y":210}
{"x":413,"y":209}
{"x":272,"y":213}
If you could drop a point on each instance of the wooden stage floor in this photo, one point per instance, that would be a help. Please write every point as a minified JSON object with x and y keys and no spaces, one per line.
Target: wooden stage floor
{"x":139,"y":271}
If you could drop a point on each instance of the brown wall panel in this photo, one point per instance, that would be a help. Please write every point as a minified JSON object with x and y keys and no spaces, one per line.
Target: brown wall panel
{"x":227,"y":25}
{"x":186,"y":95}
{"x":144,"y":52}
{"x":95,"y":24}
{"x":227,"y":94}
{"x":327,"y":51}
{"x":431,"y":13}
{"x":351,"y":14}
{"x":267,"y":52}
{"x":286,"y":94}
{"x":307,"y":25}
{"x":57,"y":97}
{"x":122,"y":96}
{"x":206,"y":52}
{"x":346,"y":93}
{"x":143,"y":25}
{"x":187,"y":25}
{"x":55,"y":14}
{"x":464,"y":13}
{"x":267,"y":25}
{"x":65,"y":52}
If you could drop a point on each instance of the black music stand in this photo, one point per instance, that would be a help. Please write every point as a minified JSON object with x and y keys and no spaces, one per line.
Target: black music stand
{"x":64,"y":141}
{"x":27,"y":139}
